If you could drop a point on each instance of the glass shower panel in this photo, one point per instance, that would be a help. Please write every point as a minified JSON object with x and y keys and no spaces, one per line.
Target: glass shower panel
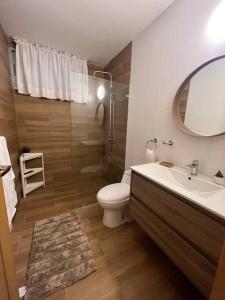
{"x":97,"y":155}
{"x":115,"y":151}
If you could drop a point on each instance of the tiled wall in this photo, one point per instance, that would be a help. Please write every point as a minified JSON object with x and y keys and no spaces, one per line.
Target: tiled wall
{"x":44,"y":126}
{"x":162,"y":57}
{"x":120,"y":68}
{"x":57,"y":129}
{"x":72,"y":140}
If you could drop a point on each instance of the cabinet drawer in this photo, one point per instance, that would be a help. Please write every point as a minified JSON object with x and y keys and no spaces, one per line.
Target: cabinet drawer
{"x":205,"y":233}
{"x":195,"y":266}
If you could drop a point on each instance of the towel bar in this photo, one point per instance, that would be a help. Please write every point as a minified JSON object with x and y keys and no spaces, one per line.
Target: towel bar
{"x":4,"y":170}
{"x":153,"y":141}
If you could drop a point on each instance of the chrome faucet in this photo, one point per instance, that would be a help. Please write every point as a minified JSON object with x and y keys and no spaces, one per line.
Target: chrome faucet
{"x":194,"y":167}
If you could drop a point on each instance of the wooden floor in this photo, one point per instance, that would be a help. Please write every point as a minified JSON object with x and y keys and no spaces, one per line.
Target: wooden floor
{"x":73,"y":195}
{"x":129,"y":265}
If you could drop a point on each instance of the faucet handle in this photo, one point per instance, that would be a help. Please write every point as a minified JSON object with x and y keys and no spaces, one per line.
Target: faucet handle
{"x":194,"y":163}
{"x":194,"y":167}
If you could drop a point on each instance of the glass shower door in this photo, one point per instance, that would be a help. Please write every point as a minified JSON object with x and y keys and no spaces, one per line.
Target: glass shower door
{"x":88,"y":145}
{"x":98,"y":132}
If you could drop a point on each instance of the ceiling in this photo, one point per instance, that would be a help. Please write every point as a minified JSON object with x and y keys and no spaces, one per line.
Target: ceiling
{"x":92,"y":29}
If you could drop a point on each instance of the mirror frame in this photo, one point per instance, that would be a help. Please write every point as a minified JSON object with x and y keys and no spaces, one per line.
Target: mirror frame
{"x":176,"y":108}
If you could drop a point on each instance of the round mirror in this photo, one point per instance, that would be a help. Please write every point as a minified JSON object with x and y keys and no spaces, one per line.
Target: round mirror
{"x":199,"y":105}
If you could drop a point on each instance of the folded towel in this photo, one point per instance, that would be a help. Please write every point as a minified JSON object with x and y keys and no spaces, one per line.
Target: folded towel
{"x":150,"y":156}
{"x":4,"y":155}
{"x":8,"y":181}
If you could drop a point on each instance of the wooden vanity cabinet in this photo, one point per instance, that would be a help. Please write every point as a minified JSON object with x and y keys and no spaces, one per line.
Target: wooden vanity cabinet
{"x":191,"y":236}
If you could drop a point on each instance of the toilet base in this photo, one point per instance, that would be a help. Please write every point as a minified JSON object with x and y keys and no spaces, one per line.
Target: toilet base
{"x":113,"y":218}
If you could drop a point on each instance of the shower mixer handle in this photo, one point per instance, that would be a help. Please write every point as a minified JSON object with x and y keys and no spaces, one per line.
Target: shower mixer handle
{"x":110,"y":139}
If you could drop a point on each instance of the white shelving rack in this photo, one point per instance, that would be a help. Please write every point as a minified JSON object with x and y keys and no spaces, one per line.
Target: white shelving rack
{"x":28,"y":172}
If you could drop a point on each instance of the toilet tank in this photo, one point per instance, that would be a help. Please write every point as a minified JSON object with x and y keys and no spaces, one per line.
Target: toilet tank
{"x":126,"y":177}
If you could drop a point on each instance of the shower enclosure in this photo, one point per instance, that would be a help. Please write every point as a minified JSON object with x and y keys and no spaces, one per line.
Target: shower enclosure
{"x":98,"y":131}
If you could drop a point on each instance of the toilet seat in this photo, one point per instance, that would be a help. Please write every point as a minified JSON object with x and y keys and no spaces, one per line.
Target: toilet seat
{"x":114,"y":193}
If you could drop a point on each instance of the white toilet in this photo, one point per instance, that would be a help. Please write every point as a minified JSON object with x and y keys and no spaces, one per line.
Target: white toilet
{"x":114,"y":198}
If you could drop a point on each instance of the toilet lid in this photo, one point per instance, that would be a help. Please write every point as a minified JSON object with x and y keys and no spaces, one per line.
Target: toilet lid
{"x":114,"y":192}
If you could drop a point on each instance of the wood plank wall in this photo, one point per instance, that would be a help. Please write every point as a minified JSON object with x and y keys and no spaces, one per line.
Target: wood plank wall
{"x":7,"y":109}
{"x":7,"y":125}
{"x":57,"y":128}
{"x":3,"y":285}
{"x":120,"y":68}
{"x":44,"y":126}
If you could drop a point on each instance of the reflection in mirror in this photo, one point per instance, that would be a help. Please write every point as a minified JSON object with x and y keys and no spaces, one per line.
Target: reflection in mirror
{"x":199,"y":105}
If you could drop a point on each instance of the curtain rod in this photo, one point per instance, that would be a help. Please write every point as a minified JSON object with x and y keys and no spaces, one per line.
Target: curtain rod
{"x":10,"y":39}
{"x":89,"y":62}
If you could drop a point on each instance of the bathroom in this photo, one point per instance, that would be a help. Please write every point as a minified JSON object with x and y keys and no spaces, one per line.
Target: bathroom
{"x":131,"y":197}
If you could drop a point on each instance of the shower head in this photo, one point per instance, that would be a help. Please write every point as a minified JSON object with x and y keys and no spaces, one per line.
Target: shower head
{"x":110,"y":79}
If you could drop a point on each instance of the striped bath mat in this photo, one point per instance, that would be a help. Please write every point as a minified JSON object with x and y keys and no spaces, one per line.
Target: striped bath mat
{"x":60,"y":255}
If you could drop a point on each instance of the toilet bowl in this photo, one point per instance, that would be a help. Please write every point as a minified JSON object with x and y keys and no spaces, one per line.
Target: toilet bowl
{"x":113,"y":199}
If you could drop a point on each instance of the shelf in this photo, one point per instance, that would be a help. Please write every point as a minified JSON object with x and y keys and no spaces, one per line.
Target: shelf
{"x":33,"y":186}
{"x":32,"y":172}
{"x":92,"y":169}
{"x":29,"y":156}
{"x":27,"y":172}
{"x":92,"y":143}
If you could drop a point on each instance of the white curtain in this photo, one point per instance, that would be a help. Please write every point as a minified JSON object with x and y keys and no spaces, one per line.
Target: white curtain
{"x":45,"y":72}
{"x":78,"y":87}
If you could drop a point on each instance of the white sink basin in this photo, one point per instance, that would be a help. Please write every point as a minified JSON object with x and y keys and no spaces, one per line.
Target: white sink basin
{"x":199,"y":189}
{"x":193,"y":183}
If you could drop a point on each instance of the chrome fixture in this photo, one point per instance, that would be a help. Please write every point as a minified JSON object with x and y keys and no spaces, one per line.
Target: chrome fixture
{"x":111,"y":134}
{"x":194,"y":167}
{"x":169,"y":142}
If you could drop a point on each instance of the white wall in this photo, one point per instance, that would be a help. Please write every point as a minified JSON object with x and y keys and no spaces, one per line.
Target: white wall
{"x":163,"y":56}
